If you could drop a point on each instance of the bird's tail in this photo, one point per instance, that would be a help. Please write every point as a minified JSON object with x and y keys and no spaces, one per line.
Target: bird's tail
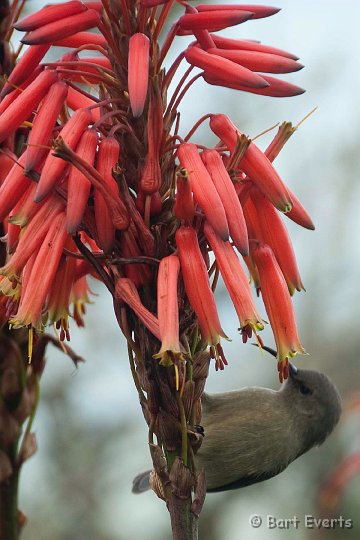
{"x":141,"y":482}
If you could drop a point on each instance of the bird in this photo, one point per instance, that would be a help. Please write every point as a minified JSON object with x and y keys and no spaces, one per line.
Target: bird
{"x":253,"y":434}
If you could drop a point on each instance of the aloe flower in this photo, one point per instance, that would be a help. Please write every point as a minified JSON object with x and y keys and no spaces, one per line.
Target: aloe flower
{"x":168,"y":310}
{"x":99,"y":180}
{"x":277,"y":302}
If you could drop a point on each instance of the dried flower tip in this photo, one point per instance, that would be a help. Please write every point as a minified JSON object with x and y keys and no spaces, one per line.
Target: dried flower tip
{"x":184,"y":203}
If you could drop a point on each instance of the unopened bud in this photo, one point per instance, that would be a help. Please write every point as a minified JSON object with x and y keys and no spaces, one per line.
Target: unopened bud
{"x":182,"y":479}
{"x":197,"y":411}
{"x":169,"y":402}
{"x":170,"y":431}
{"x":156,"y":485}
{"x":158,"y":459}
{"x":200,"y":493}
{"x":152,"y":401}
{"x":201,"y":363}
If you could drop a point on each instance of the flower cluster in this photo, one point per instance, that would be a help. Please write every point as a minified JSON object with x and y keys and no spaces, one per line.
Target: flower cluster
{"x":96,"y":177}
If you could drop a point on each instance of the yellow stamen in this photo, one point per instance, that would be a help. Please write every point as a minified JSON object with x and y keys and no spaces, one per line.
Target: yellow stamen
{"x":30,"y":343}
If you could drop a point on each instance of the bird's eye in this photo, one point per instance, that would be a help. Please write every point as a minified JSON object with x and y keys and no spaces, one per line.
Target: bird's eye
{"x":305,"y":390}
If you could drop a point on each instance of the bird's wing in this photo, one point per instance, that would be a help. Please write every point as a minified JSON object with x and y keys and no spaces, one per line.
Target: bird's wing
{"x":141,"y":482}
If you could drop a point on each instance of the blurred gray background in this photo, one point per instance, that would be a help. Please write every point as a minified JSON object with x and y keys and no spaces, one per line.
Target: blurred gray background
{"x":90,"y":431}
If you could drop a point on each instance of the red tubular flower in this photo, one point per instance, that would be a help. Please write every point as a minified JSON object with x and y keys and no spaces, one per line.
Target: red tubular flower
{"x":117,"y":210}
{"x":58,"y":301}
{"x":225,"y":69}
{"x":197,"y":285}
{"x":222,"y":42}
{"x":298,"y":214}
{"x":168,"y":310}
{"x":78,"y":185}
{"x":276,"y":88}
{"x":258,"y":61}
{"x":7,"y":161}
{"x":81,"y":39}
{"x":274,"y":233}
{"x":125,"y":291}
{"x":254,"y":163}
{"x":277,"y":302}
{"x":253,"y":272}
{"x":76,"y":100}
{"x":43,"y":271}
{"x":9,"y":98}
{"x":225,"y":188}
{"x":24,"y":68}
{"x":203,"y":188}
{"x":13,"y":187}
{"x":32,"y":238}
{"x":258,"y":12}
{"x":184,"y":203}
{"x":25,"y":103}
{"x":44,"y":122}
{"x":235,"y":281}
{"x":108,"y":156}
{"x":138,"y":72}
{"x":25,"y":208}
{"x":213,"y":21}
{"x":54,"y":167}
{"x":62,"y":28}
{"x":12,"y":237}
{"x":49,"y":14}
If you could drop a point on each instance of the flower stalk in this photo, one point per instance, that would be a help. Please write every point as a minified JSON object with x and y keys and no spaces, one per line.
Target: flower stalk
{"x":106,"y":185}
